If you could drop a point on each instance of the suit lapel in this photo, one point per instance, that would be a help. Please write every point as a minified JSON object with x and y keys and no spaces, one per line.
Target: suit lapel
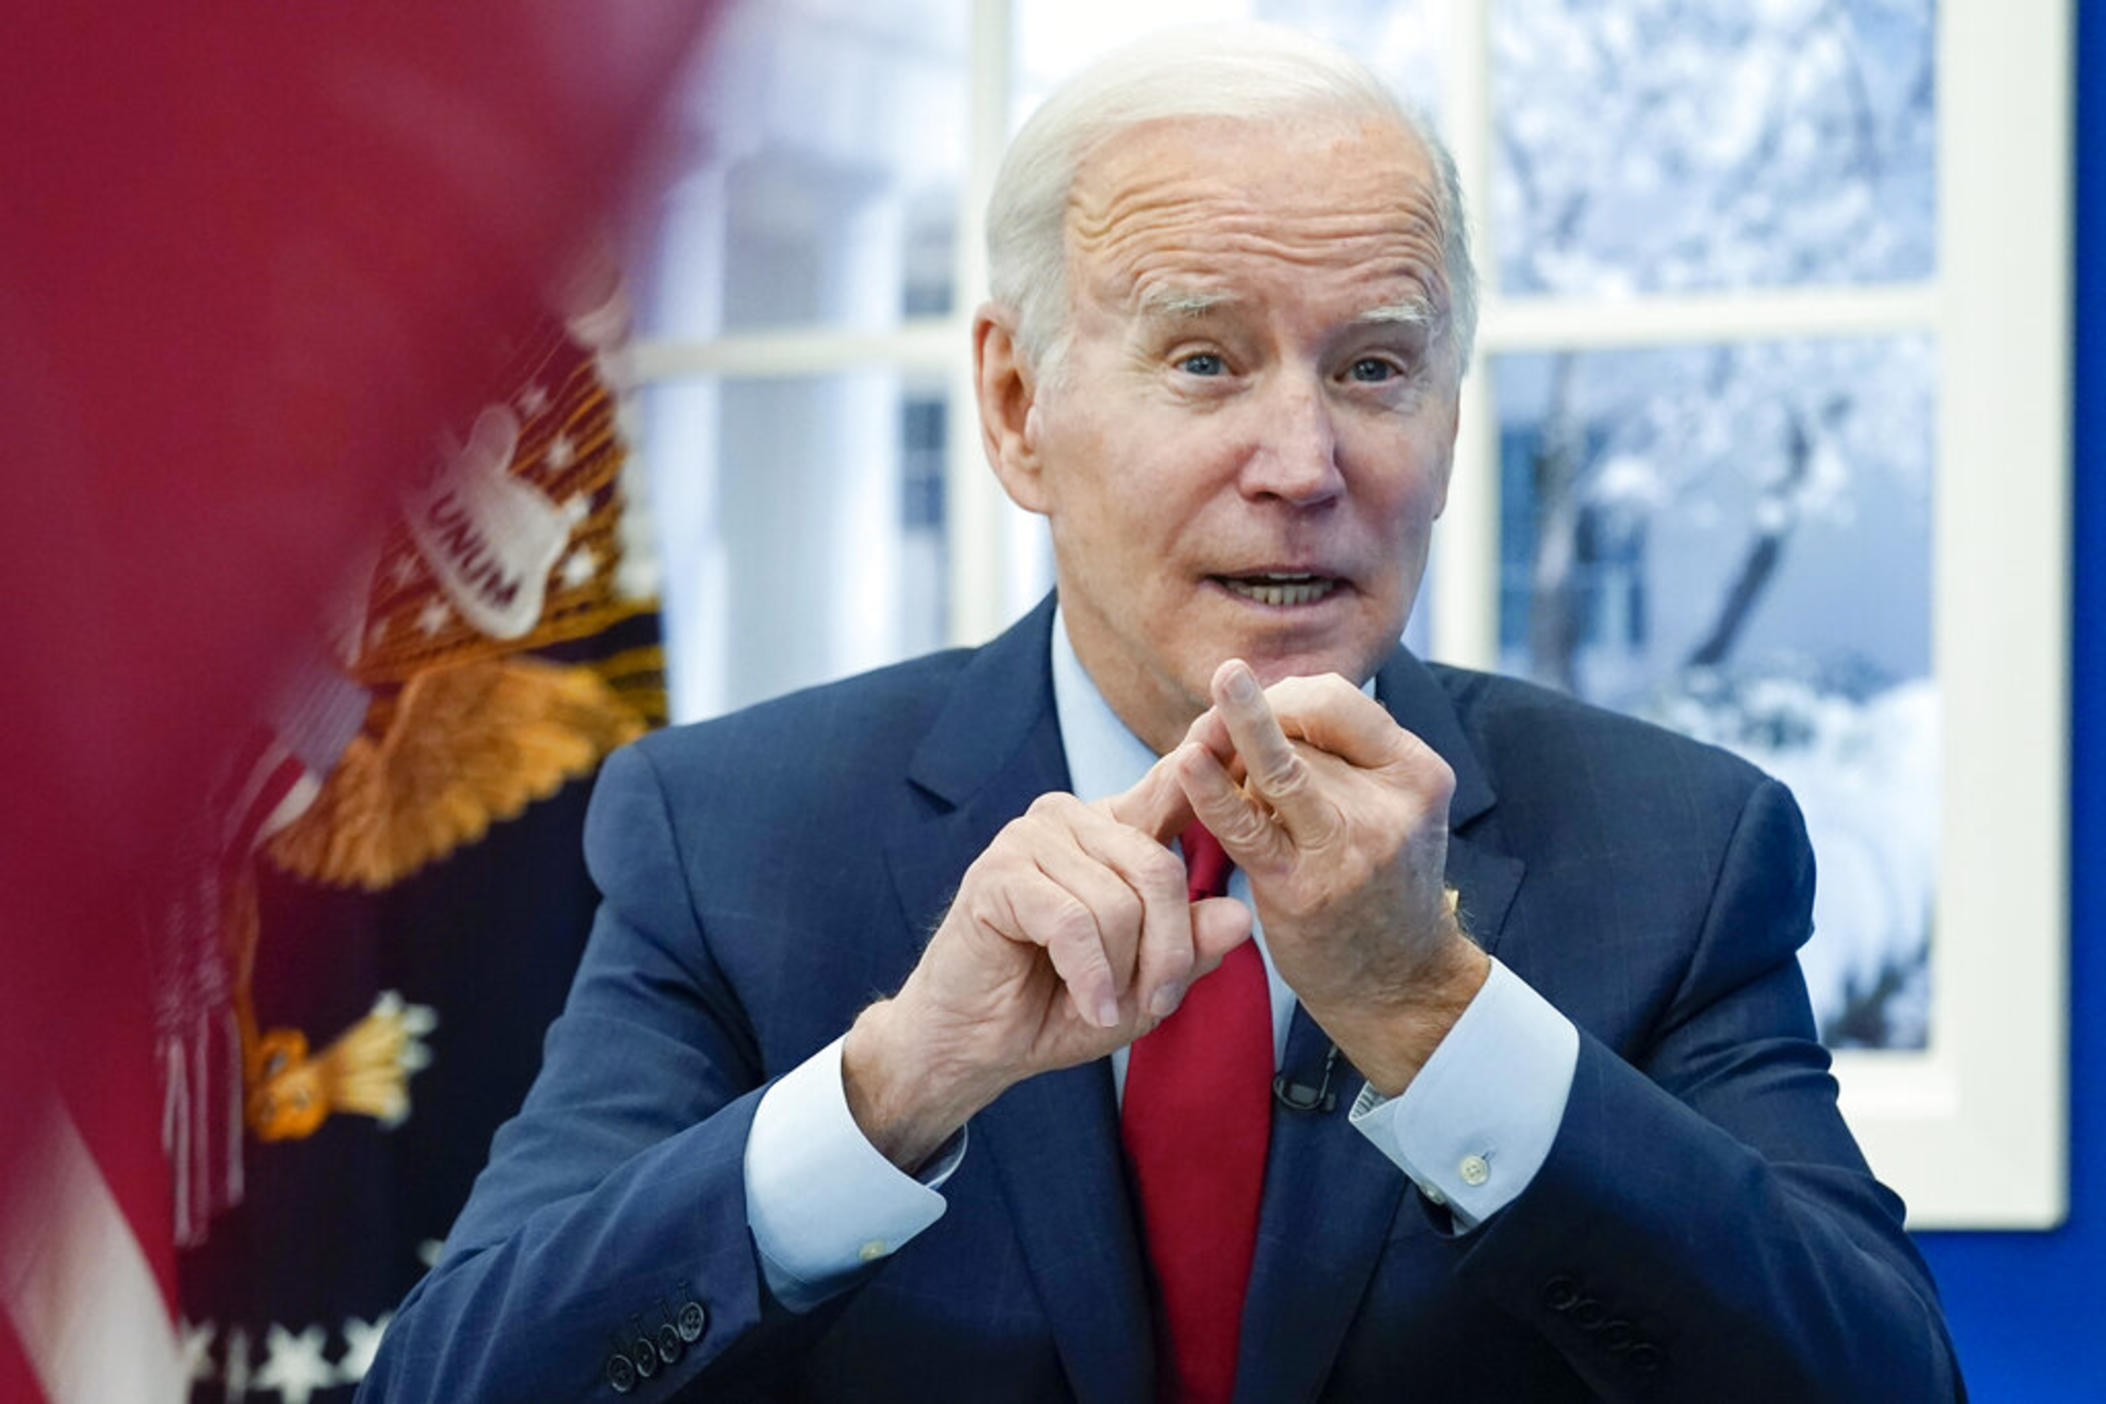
{"x":1331,"y":1198}
{"x":1054,"y":1139}
{"x":1486,"y":878}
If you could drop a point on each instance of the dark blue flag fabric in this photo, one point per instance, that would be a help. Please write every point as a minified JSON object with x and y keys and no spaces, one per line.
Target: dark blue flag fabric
{"x":403,"y":896}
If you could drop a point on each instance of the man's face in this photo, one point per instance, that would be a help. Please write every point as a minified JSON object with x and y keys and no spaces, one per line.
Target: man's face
{"x":1245,"y":447}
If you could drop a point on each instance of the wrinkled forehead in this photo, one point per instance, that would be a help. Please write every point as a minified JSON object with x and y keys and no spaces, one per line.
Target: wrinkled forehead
{"x":1178,"y":210}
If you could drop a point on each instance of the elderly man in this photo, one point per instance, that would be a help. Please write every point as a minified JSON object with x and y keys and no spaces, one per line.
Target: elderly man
{"x":1464,"y":1053}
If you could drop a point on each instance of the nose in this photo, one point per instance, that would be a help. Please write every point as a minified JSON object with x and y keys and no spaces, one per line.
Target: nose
{"x":1294,"y":457}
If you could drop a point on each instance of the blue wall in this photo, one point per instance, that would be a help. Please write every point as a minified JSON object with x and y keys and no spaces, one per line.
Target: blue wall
{"x":2029,"y":1310}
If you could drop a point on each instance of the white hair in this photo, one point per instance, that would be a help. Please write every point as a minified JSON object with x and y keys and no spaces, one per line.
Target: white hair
{"x":1250,"y":72}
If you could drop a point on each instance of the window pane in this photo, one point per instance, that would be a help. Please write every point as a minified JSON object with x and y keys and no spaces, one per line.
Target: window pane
{"x":828,"y":142}
{"x":1681,"y":144}
{"x":802,"y":525}
{"x":1735,"y":541}
{"x":1404,"y":42}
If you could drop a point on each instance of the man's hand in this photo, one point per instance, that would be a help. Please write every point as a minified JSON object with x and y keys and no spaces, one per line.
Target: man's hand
{"x":1069,"y":937}
{"x":1340,"y":819}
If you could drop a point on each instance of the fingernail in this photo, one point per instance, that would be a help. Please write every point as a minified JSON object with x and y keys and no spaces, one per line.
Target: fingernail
{"x":1107,"y":1013}
{"x":1242,"y":684}
{"x":1163,"y":1003}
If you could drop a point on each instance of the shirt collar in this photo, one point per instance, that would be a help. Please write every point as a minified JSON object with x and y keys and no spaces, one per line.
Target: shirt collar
{"x":1104,"y":756}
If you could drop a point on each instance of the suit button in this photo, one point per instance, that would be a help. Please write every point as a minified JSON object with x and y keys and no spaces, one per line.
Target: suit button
{"x":621,"y":1375}
{"x":1559,"y":1294}
{"x":1587,"y":1313}
{"x":690,"y":1322}
{"x":1644,"y":1357}
{"x":669,"y":1343}
{"x":644,"y":1356}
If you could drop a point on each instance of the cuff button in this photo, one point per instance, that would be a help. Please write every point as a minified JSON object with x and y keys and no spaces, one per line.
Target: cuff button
{"x":644,"y":1356}
{"x":1475,"y":1170}
{"x":690,"y":1322}
{"x":621,"y":1375}
{"x":670,"y":1345}
{"x":1559,"y":1294}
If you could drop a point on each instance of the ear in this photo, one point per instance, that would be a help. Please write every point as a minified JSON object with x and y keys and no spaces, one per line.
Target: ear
{"x":1008,"y":394}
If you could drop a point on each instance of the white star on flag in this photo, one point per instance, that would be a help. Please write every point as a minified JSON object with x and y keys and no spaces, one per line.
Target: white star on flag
{"x":295,"y":1365}
{"x":579,"y":567}
{"x":561,"y":452}
{"x":434,"y":616}
{"x":361,"y":1343}
{"x":196,"y":1345}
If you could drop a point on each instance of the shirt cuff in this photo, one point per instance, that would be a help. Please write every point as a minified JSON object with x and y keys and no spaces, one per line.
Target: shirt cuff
{"x":1476,"y":1124}
{"x":821,"y":1201}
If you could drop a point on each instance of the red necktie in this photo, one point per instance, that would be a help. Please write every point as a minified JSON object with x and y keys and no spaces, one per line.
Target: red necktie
{"x":1196,"y":1118}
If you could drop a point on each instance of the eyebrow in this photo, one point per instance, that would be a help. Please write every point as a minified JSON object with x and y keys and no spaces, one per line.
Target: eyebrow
{"x":1412,"y":312}
{"x":1181,"y":304}
{"x":1184,"y":304}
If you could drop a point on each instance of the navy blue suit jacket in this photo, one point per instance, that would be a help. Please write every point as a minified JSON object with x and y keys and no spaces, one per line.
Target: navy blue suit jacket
{"x":1704,"y":1227}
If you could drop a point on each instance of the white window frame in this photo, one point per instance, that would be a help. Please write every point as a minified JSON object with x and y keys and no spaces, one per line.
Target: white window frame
{"x":1973,"y":1130}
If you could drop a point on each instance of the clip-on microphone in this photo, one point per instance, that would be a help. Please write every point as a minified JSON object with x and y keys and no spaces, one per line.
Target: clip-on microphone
{"x":1301,"y":1097}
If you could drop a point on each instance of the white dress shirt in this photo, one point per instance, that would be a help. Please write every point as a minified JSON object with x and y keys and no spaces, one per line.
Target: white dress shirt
{"x":1471,"y":1130}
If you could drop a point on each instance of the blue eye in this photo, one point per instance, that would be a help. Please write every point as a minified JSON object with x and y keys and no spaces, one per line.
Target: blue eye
{"x":1370,"y":370}
{"x":1202,"y":363}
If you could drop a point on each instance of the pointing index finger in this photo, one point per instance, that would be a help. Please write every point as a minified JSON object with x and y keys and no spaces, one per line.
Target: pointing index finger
{"x":1274,"y":769}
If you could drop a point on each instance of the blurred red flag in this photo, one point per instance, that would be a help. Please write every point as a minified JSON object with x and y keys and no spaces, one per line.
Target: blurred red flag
{"x":256,"y":259}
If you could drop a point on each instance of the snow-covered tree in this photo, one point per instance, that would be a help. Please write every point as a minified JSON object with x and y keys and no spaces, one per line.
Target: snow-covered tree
{"x":1735,"y":538}
{"x":1666,"y":145}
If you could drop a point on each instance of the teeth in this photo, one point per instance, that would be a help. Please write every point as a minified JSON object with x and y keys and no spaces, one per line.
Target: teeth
{"x":1280,"y":589}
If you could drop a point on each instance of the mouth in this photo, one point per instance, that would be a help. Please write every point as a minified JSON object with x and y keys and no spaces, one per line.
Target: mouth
{"x":1280,"y":589}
